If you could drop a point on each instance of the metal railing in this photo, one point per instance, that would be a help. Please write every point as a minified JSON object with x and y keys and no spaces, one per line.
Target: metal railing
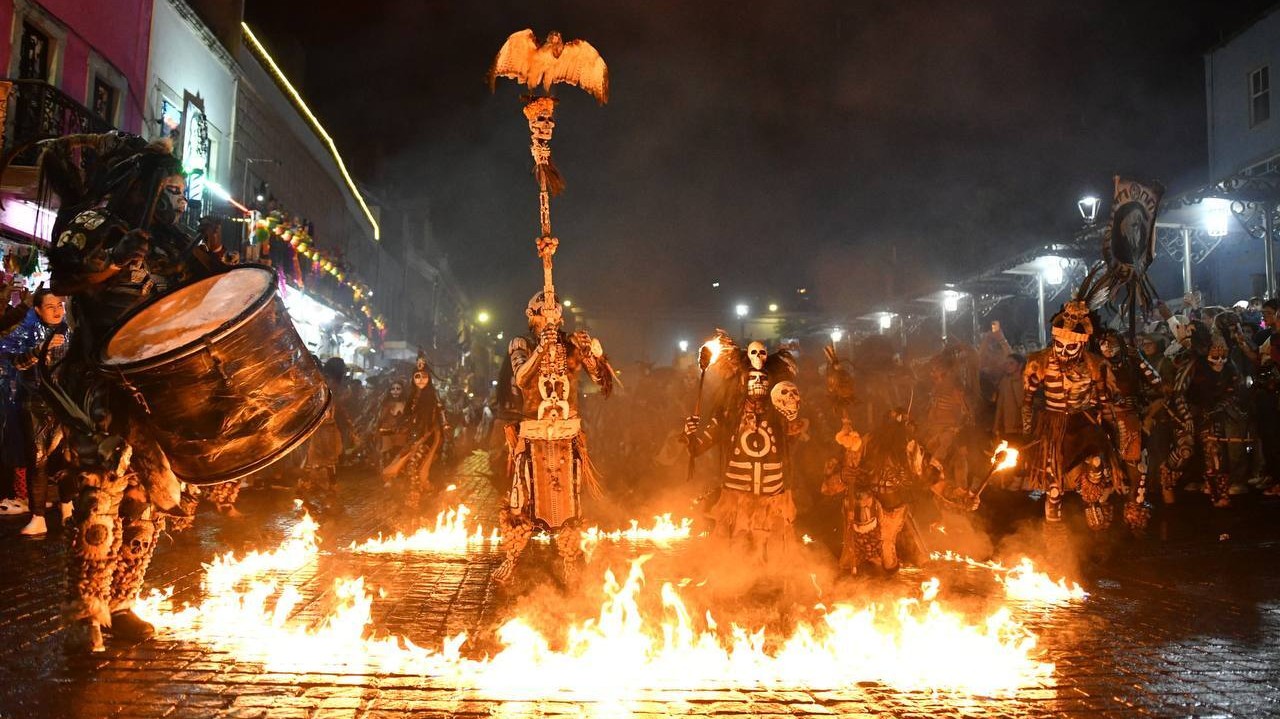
{"x":38,"y":110}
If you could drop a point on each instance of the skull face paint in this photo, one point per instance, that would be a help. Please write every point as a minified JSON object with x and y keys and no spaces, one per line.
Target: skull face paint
{"x":757,"y":384}
{"x":757,"y":354}
{"x":786,"y":397}
{"x":1066,"y":350}
{"x":421,"y":379}
{"x":172,"y":201}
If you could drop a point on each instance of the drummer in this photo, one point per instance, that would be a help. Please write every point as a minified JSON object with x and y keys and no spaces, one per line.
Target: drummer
{"x":117,"y":243}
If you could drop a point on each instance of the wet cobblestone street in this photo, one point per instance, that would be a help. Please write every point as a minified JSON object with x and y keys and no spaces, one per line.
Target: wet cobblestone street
{"x":1183,"y":624}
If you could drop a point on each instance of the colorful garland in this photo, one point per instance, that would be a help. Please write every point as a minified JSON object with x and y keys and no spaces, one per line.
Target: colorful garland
{"x":300,"y":240}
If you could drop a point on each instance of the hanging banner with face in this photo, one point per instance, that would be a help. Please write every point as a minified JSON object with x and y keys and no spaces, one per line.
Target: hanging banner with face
{"x":1130,"y":238}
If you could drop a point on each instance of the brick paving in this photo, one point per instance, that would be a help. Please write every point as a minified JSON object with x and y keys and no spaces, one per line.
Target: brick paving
{"x":1182,"y":624}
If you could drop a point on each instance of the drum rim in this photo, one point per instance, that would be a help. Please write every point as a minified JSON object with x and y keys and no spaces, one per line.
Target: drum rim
{"x":259,"y":464}
{"x":190,"y":348}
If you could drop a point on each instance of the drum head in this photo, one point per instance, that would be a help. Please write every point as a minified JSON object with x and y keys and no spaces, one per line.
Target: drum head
{"x":188,"y":315}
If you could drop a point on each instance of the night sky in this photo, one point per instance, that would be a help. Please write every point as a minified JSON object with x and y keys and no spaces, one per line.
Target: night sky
{"x":766,"y":145}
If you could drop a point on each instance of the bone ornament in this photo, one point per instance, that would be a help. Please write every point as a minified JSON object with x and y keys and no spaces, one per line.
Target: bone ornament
{"x":786,"y":397}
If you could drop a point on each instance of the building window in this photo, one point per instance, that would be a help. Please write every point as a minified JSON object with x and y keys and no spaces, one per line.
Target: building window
{"x":37,"y":54}
{"x":1259,"y":95}
{"x":105,"y":98}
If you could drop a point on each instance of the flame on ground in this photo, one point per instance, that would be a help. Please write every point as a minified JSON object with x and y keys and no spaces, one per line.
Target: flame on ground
{"x":1023,"y":583}
{"x":639,"y":640}
{"x":452,"y":534}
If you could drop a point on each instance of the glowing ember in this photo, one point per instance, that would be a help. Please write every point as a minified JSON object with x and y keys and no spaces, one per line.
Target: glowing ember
{"x":1005,"y":457}
{"x":714,"y":347}
{"x":806,"y":539}
{"x":637,"y":642}
{"x":451,"y":488}
{"x":1023,"y":583}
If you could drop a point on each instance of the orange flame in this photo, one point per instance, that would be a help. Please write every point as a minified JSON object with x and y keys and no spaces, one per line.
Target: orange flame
{"x":1023,"y":583}
{"x":913,"y":643}
{"x":1005,"y":457}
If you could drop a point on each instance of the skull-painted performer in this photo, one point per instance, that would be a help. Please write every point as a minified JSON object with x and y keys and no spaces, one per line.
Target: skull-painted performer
{"x":424,"y":424}
{"x":116,"y":244}
{"x":1130,"y":383}
{"x":1071,"y":450}
{"x":873,"y":475}
{"x":1210,"y":384}
{"x":754,"y":426}
{"x":548,"y":448}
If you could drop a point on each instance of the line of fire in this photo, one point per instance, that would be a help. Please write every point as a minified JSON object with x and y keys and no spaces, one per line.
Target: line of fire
{"x":309,"y":412}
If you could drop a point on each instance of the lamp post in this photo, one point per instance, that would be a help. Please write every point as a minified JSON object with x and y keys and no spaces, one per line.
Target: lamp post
{"x":950,"y":303}
{"x":1088,"y":206}
{"x":741,"y":310}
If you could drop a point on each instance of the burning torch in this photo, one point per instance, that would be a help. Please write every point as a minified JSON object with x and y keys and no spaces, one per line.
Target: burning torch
{"x":706,"y":355}
{"x":1005,"y":457}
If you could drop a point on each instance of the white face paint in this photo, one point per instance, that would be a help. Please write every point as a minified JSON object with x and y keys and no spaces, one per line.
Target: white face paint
{"x":757,"y":384}
{"x":786,"y":397}
{"x":421,"y":379}
{"x":756,"y":354}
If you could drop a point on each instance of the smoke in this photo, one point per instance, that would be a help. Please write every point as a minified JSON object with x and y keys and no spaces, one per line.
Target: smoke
{"x":747,"y":141}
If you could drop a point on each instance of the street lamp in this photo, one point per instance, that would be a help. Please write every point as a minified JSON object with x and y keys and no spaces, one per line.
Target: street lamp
{"x":773,"y":307}
{"x":568,"y":302}
{"x":837,"y":334}
{"x":482,"y":317}
{"x":684,"y":345}
{"x":741,"y":311}
{"x":1088,"y":206}
{"x":886,"y":320}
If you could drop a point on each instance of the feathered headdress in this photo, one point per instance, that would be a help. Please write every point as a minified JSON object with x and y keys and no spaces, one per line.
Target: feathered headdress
{"x":1077,"y":319}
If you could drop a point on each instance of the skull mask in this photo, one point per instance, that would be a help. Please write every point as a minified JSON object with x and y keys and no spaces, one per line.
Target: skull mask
{"x":757,"y":384}
{"x":756,"y":354}
{"x":1218,"y":357}
{"x":786,"y":397}
{"x":540,"y":113}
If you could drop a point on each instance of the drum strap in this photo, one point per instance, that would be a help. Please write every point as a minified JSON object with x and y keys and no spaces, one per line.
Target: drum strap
{"x":137,"y":394}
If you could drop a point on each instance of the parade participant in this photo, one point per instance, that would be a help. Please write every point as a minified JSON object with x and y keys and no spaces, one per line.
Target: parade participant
{"x":1130,"y":382}
{"x":1211,"y":385}
{"x":873,"y":475}
{"x":43,"y":330}
{"x":389,"y":424}
{"x":424,"y":423}
{"x":754,"y":427}
{"x":116,"y":244}
{"x":949,"y":417}
{"x":547,"y":448}
{"x":318,"y":485}
{"x":1072,"y":451}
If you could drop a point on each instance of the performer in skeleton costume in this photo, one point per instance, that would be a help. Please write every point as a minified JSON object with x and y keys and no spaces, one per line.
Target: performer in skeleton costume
{"x":547,"y":447}
{"x":424,"y":424}
{"x":754,"y":428}
{"x":116,"y":244}
{"x":1130,"y":383}
{"x":1072,"y":450}
{"x":874,"y":476}
{"x":1210,"y":383}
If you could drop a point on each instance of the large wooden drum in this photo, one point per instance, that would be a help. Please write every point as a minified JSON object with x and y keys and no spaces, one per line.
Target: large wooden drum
{"x":227,"y":385}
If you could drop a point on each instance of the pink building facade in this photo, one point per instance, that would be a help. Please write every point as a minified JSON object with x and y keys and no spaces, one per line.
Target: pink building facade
{"x":94,"y":51}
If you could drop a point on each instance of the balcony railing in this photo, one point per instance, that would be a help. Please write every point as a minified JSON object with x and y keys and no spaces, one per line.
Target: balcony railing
{"x":38,"y":110}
